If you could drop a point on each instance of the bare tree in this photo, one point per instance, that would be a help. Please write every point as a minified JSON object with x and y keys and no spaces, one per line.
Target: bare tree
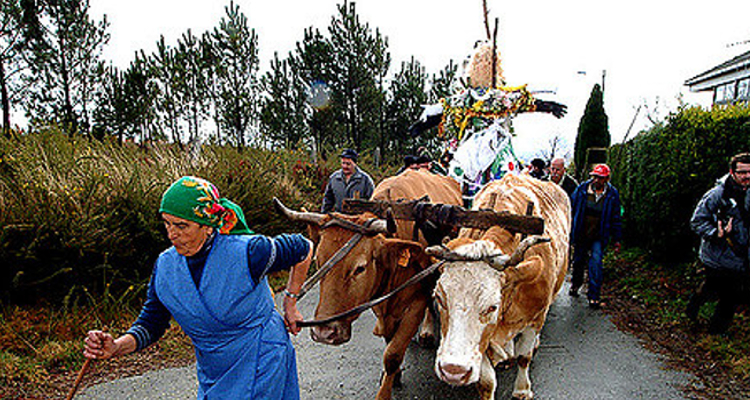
{"x":557,"y":146}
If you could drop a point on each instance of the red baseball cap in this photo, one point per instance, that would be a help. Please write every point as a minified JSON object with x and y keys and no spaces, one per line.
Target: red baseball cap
{"x":600,"y":170}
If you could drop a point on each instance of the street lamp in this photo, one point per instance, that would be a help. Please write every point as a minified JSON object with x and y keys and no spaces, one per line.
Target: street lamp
{"x":604,"y":77}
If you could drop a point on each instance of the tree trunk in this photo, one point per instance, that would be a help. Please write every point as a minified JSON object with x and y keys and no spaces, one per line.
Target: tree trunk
{"x":5,"y":100}
{"x":68,"y":118}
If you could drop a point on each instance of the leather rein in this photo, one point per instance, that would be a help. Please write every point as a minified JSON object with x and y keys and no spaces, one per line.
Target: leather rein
{"x":360,"y":232}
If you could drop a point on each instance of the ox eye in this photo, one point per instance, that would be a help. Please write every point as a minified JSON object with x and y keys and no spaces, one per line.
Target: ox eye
{"x":360,"y":269}
{"x":491,"y":309}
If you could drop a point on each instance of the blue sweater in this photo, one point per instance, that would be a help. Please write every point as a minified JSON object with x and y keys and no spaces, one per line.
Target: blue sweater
{"x":610,"y":224}
{"x":265,"y":255}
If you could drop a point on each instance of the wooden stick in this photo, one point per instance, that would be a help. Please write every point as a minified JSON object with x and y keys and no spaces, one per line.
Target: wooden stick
{"x":81,"y":373}
{"x":77,"y":383}
{"x":494,"y":56}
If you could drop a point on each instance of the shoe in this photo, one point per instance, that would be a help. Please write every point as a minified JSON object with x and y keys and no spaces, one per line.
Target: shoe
{"x":595,"y":304}
{"x":573,"y":291}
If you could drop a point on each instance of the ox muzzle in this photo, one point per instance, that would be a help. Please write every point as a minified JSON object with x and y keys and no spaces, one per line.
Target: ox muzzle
{"x":334,"y":333}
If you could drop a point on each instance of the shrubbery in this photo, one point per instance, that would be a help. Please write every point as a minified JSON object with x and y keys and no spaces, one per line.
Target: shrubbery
{"x":663,"y":172}
{"x":78,"y":213}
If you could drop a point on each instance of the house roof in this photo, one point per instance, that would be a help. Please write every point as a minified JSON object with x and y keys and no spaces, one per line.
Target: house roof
{"x":702,"y":80}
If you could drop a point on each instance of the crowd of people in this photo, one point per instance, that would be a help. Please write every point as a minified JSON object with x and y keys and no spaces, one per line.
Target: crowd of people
{"x":212,"y":280}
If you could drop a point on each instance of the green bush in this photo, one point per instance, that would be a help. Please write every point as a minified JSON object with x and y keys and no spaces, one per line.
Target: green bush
{"x":663,"y":172}
{"x":80,"y":213}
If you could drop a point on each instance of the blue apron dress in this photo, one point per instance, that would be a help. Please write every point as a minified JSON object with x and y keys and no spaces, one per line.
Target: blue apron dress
{"x":241,"y":345}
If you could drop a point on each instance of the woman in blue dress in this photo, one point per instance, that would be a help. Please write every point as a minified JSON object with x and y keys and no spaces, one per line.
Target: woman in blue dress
{"x":213,"y":282}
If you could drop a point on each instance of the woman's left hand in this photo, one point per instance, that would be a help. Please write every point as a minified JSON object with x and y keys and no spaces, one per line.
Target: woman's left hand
{"x":291,"y":315}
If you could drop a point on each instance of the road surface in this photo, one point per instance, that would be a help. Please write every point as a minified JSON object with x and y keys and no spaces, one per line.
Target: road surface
{"x":582,"y":356}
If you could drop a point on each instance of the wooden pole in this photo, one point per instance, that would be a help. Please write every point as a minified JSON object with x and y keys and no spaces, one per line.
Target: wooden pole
{"x":494,"y":56}
{"x":481,"y":219}
{"x":486,"y":19}
{"x":81,"y":374}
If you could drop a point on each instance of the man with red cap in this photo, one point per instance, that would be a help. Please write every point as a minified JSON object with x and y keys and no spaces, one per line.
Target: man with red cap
{"x":596,"y":223}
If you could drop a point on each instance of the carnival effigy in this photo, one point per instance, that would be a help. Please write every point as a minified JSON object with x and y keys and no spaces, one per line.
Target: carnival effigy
{"x":476,"y":121}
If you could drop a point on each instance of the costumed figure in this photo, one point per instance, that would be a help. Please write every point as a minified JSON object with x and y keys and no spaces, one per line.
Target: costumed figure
{"x":477,"y":120}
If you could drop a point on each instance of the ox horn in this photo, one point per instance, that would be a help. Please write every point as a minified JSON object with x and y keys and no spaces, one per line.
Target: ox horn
{"x":378,"y":226}
{"x":374,"y":227}
{"x":444,"y":253}
{"x":518,"y":254}
{"x":498,"y":261}
{"x":308,"y":217}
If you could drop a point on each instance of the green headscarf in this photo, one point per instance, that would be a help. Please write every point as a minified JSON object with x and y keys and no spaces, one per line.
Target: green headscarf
{"x":196,"y":199}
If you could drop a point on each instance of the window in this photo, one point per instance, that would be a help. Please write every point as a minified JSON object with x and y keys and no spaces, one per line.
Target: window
{"x":743,"y":89}
{"x":719,"y":98}
{"x":729,"y":92}
{"x":725,"y":93}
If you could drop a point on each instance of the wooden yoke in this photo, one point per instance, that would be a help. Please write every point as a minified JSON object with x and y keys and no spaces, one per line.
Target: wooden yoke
{"x":447,"y":214}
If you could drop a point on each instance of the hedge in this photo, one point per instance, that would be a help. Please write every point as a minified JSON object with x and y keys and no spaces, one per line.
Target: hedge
{"x":662,"y":173}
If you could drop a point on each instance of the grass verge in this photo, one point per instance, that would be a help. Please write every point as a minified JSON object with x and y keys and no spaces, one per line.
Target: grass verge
{"x":648,"y":300}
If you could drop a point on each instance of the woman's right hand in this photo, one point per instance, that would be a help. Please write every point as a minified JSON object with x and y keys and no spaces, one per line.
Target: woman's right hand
{"x":99,"y":345}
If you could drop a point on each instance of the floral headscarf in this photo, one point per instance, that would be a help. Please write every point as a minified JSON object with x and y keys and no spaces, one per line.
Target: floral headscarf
{"x":196,"y":199}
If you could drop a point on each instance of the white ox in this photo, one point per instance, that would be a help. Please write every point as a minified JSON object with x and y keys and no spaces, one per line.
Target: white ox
{"x":490,"y":315}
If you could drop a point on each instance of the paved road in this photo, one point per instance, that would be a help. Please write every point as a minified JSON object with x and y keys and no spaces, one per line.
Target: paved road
{"x":582,"y":356}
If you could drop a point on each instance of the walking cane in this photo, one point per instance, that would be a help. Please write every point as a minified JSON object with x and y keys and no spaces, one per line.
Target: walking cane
{"x":81,"y":373}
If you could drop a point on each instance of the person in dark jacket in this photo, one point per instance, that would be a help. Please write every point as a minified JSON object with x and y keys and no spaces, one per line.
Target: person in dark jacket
{"x":349,"y":182}
{"x":596,"y":222}
{"x":212,"y":281}
{"x":557,"y":175}
{"x":721,"y":220}
{"x":536,"y":169}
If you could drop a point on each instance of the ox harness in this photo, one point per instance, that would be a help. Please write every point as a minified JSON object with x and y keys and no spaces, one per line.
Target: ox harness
{"x":359,"y":232}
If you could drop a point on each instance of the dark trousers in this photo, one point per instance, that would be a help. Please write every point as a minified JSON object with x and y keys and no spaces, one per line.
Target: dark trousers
{"x":588,"y":255}
{"x":727,"y":287}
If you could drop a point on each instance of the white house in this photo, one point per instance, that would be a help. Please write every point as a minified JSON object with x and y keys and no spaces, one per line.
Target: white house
{"x":729,"y":81}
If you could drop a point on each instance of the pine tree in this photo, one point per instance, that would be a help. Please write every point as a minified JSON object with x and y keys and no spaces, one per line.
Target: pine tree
{"x":407,"y":94}
{"x":67,"y":60}
{"x":163,"y":67}
{"x":191,"y":84}
{"x":311,"y":66}
{"x":443,"y":83}
{"x":234,"y":57}
{"x":284,"y":109}
{"x":126,"y":103}
{"x":360,"y":63}
{"x":593,"y":130}
{"x":18,"y":24}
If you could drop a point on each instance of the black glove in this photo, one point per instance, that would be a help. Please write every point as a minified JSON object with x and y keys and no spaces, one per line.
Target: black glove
{"x":420,"y":126}
{"x":557,"y":109}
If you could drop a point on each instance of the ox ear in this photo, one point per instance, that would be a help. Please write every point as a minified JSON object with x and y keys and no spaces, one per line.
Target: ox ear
{"x":526,"y":271}
{"x":313,"y":231}
{"x":400,"y":253}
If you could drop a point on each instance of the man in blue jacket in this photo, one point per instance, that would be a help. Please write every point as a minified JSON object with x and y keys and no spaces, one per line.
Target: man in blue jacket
{"x":721,"y":220}
{"x":596,"y":221}
{"x":349,"y":182}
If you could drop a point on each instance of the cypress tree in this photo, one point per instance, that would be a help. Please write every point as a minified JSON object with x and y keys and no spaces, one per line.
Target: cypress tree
{"x":593,"y":130}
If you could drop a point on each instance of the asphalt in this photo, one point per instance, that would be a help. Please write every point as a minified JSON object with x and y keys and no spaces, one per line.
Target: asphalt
{"x":582,"y":356}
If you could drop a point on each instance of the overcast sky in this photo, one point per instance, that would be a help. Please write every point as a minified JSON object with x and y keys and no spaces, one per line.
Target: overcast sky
{"x":648,"y":48}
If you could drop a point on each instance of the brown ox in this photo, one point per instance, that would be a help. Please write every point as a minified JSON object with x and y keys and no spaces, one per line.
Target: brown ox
{"x":376,"y":266}
{"x":483,"y":308}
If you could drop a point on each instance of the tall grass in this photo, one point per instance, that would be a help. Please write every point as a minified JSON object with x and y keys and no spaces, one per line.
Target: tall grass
{"x":75,"y":210}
